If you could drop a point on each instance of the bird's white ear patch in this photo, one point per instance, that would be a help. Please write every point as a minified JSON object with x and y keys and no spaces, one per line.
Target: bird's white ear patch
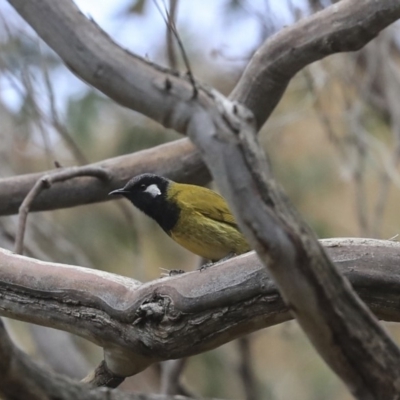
{"x":153,"y":189}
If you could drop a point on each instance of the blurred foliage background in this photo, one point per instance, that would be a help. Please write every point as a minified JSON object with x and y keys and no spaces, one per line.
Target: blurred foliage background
{"x":334,"y":142}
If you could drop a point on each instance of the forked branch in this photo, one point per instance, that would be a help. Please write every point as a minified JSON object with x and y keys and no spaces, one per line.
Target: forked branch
{"x":139,"y":324}
{"x":340,"y":326}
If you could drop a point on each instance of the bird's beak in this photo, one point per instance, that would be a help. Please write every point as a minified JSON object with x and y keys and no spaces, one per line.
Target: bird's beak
{"x":118,"y":191}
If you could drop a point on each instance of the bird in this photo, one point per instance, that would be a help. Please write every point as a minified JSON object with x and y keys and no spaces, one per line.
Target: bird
{"x":197,"y":218}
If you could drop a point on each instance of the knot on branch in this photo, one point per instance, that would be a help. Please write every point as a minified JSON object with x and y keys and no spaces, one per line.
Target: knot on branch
{"x":236,"y":115}
{"x":156,"y":309}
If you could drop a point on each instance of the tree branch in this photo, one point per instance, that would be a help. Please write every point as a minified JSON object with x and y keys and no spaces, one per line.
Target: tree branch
{"x":94,"y":57}
{"x":124,"y":77}
{"x":139,"y":324}
{"x":21,"y":379}
{"x":337,"y":322}
{"x":177,"y":160}
{"x":171,"y":371}
{"x":246,"y":370}
{"x":45,"y":182}
{"x":171,"y":53}
{"x":345,"y":26}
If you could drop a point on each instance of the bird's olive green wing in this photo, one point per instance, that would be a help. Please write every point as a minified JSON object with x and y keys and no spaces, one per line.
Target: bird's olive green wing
{"x":208,"y":203}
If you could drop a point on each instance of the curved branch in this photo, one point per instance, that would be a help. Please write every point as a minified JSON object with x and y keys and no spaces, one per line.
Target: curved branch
{"x":337,"y":322}
{"x":178,"y":160}
{"x":45,"y":182}
{"x":139,"y":324}
{"x":125,"y":77}
{"x":21,"y":379}
{"x":345,"y":26}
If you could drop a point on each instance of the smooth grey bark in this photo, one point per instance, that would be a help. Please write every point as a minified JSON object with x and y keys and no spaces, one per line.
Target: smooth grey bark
{"x":180,"y":316}
{"x":177,"y":160}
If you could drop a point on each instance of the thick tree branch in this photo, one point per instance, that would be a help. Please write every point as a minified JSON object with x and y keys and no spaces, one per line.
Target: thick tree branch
{"x":132,"y":81}
{"x":178,"y":160}
{"x":345,"y":26}
{"x":22,"y":379}
{"x":139,"y":324}
{"x":337,"y":322}
{"x":91,"y":54}
{"x":127,"y":78}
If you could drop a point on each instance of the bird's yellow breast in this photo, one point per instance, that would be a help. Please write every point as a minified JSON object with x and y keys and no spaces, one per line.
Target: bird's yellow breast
{"x":205,"y":225}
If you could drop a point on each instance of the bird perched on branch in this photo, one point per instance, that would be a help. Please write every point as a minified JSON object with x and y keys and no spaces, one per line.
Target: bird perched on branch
{"x":195,"y":217}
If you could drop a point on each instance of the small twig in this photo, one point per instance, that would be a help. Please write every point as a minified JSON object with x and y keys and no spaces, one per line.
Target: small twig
{"x":380,"y":204}
{"x":23,"y":213}
{"x":169,"y":21}
{"x":173,"y":62}
{"x":55,"y":120}
{"x":265,"y":19}
{"x":322,"y":115}
{"x":171,"y":372}
{"x":40,"y":116}
{"x":246,"y":370}
{"x":45,"y":182}
{"x":357,"y":141}
{"x":103,"y":377}
{"x":38,"y":119}
{"x":65,"y":134}
{"x":391,"y":84}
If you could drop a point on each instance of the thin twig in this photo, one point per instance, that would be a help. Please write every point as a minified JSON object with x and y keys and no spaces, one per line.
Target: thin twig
{"x":171,"y":372}
{"x":390,"y":88}
{"x":70,"y":142}
{"x":246,"y":370}
{"x":101,"y":376}
{"x":55,"y":120}
{"x":359,"y":176}
{"x":322,"y":116}
{"x":39,"y":116}
{"x":26,"y":80}
{"x":66,"y":135}
{"x":172,"y":58}
{"x":172,"y":26}
{"x":356,"y":138}
{"x":45,"y":182}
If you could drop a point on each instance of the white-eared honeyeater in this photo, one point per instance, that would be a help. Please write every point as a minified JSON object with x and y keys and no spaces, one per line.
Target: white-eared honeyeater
{"x":195,"y":217}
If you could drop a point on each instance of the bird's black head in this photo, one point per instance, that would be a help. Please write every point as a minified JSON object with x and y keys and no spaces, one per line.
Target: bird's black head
{"x":149,"y":193}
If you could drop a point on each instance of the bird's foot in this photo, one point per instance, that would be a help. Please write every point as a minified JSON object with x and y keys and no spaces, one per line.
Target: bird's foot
{"x":171,"y":272}
{"x":205,"y":266}
{"x":210,"y":264}
{"x":229,"y":256}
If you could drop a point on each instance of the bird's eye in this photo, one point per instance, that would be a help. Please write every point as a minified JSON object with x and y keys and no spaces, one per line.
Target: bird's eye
{"x":142,"y":186}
